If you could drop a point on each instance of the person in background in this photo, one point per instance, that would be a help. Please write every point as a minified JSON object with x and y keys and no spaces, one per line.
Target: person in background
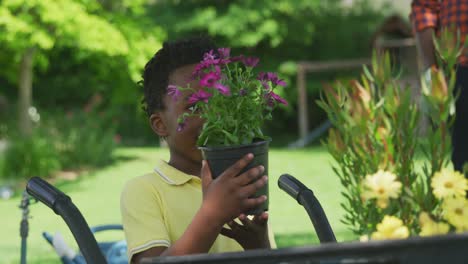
{"x":428,"y":18}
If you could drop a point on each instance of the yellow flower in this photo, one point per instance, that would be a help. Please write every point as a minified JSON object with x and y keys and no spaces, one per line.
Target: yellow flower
{"x":429,"y":227}
{"x":447,"y":183}
{"x":391,"y":227}
{"x":381,"y":186}
{"x":364,"y":238}
{"x":455,"y":211}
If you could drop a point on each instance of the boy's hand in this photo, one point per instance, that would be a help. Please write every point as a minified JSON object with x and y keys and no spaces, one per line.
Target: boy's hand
{"x":227,"y":196}
{"x":252,"y":234}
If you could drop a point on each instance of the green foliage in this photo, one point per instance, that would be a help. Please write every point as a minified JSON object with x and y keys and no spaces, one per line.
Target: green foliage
{"x":45,"y":24}
{"x":244,"y":23}
{"x":89,"y":46}
{"x":2,"y":164}
{"x":86,"y":34}
{"x":83,"y":139}
{"x":374,"y":142}
{"x":279,"y":32}
{"x":27,"y":157}
{"x":80,"y":139}
{"x":233,"y":100}
{"x":84,"y":47}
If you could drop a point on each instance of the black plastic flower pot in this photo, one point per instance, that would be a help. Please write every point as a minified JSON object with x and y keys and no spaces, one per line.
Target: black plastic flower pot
{"x":221,"y":158}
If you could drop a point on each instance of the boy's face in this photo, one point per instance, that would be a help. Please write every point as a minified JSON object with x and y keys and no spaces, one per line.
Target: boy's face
{"x":182,"y":144}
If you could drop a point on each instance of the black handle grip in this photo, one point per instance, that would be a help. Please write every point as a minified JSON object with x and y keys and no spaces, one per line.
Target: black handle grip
{"x":44,"y":192}
{"x":291,"y":186}
{"x":306,"y":198}
{"x":63,"y":206}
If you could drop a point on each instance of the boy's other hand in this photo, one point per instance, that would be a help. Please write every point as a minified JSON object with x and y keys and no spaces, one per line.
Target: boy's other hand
{"x":252,"y":234}
{"x":229,"y":195}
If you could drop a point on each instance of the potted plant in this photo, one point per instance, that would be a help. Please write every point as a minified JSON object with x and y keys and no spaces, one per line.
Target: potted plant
{"x":234,"y":102}
{"x":375,"y":139}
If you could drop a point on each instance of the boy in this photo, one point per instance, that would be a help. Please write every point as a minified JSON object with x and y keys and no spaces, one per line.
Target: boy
{"x":179,"y":209}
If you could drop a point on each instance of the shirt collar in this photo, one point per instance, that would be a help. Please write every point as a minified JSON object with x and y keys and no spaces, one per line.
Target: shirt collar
{"x":172,"y":175}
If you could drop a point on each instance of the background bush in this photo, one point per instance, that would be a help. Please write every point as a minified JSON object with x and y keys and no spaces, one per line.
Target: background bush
{"x":278,"y":32}
{"x":79,"y":139}
{"x":29,"y":157}
{"x":83,"y":138}
{"x":68,"y":72}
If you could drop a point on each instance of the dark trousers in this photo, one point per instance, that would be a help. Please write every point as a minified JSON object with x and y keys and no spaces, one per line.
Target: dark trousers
{"x":460,"y":127}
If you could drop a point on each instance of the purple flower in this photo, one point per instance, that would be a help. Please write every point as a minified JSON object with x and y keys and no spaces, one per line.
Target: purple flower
{"x":265,"y":84}
{"x":209,"y":56}
{"x":274,"y":79}
{"x":180,"y":126}
{"x":209,"y":79}
{"x":237,"y":58}
{"x":224,"y":53}
{"x":250,"y":61}
{"x":201,"y":95}
{"x":271,"y":76}
{"x":217,"y":70}
{"x":199,"y":69}
{"x":222,"y":89}
{"x":281,"y":83}
{"x":210,"y":59}
{"x":242,"y":92}
{"x":277,"y":98}
{"x":261,"y":76}
{"x":173,"y":91}
{"x":264,"y":78}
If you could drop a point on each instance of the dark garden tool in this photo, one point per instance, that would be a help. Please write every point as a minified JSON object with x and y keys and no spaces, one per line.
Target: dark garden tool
{"x":24,"y":225}
{"x":415,"y":250}
{"x":62,"y":205}
{"x":305,"y":197}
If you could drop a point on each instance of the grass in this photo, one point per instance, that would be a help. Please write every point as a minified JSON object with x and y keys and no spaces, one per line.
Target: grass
{"x":97,"y":196}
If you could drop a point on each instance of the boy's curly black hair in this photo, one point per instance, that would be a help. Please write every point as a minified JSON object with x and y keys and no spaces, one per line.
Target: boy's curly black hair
{"x":173,"y":55}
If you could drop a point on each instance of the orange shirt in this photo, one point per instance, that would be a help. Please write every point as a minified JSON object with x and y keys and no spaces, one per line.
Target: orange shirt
{"x":442,"y":14}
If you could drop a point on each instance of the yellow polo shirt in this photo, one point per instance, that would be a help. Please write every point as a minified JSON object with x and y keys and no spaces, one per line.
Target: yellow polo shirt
{"x":158,"y":207}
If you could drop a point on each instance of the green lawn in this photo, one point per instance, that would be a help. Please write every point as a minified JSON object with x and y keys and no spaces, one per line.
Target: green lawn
{"x":97,"y":196}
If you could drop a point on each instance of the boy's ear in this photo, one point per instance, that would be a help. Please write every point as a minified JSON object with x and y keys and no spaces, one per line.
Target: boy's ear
{"x":158,"y":124}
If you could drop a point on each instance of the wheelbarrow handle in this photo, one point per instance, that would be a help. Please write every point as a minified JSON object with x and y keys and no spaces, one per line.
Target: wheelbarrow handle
{"x":63,"y":206}
{"x":291,"y":186}
{"x":46,"y":193}
{"x":306,"y":198}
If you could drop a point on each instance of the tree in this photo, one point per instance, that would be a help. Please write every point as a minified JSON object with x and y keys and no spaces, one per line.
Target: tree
{"x":31,"y":27}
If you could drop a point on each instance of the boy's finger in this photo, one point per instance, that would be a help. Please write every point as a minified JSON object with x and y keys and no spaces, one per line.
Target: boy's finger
{"x":234,"y":225}
{"x":254,"y":202}
{"x":245,"y":220}
{"x":261,"y":219}
{"x":235,"y":169}
{"x":250,"y":175}
{"x":252,"y":188}
{"x":227,"y":232}
{"x":242,"y":216}
{"x":206,"y":174}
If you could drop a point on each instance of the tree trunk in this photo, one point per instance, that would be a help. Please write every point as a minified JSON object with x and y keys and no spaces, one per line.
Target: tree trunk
{"x":25,"y":91}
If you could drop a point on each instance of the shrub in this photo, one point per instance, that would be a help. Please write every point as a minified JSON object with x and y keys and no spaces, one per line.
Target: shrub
{"x":83,"y":138}
{"x":374,"y":141}
{"x":80,"y":138}
{"x":27,"y":157}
